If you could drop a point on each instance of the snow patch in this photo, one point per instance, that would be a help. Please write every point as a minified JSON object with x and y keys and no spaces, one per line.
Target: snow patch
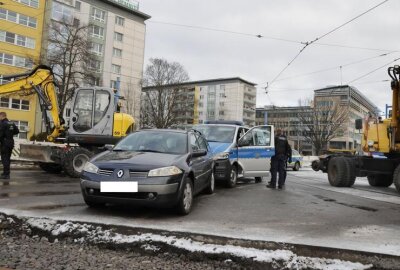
{"x":280,"y":257}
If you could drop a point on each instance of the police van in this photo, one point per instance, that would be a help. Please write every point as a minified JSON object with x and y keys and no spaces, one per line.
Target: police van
{"x":239,"y":151}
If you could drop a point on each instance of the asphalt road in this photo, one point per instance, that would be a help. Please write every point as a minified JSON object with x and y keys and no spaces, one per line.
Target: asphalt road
{"x":309,"y":211}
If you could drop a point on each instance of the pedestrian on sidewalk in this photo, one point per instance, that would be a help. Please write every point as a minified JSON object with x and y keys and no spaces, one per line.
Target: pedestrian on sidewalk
{"x":7,"y":132}
{"x":283,"y":154}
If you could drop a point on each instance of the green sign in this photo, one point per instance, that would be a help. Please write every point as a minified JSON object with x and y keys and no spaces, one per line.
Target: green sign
{"x":131,"y":4}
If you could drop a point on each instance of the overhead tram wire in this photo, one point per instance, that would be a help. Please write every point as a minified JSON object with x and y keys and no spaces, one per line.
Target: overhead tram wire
{"x":372,"y":71}
{"x":332,"y":68}
{"x":306,"y":44}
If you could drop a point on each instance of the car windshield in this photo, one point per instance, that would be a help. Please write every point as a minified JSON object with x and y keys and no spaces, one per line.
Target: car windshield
{"x":153,"y":141}
{"x":213,"y":133}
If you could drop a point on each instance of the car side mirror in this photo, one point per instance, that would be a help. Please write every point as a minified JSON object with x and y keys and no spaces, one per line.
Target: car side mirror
{"x":199,"y":153}
{"x":359,"y":124}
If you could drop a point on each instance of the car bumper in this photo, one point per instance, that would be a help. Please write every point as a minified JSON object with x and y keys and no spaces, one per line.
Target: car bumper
{"x":155,"y":194}
{"x":222,"y":169}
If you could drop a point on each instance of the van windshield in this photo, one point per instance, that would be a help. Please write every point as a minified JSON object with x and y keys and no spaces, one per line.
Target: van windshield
{"x":214,"y":133}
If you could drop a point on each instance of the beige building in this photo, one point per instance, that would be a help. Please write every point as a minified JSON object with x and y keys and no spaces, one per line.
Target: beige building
{"x":354,"y":103}
{"x":216,"y":99}
{"x":117,"y":33}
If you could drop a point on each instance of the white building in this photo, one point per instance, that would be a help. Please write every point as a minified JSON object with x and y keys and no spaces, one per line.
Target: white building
{"x":117,"y":32}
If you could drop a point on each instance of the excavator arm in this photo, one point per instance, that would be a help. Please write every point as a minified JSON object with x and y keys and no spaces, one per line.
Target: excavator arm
{"x":39,"y":81}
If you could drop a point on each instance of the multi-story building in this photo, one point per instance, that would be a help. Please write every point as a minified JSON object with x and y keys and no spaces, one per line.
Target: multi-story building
{"x":21,"y":27}
{"x":215,"y":99}
{"x":356,"y":106}
{"x":117,"y":34}
{"x":286,"y":118}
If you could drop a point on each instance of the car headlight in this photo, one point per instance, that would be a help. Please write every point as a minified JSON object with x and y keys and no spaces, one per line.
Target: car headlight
{"x":165,"y":171}
{"x":90,"y":168}
{"x":223,"y":155}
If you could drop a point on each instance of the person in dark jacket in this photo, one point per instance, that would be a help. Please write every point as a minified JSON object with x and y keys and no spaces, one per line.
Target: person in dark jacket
{"x":7,"y":132}
{"x":283,"y":154}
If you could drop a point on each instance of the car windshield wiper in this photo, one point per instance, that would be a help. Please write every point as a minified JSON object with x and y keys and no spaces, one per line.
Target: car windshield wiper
{"x":119,"y":150}
{"x":212,"y":141}
{"x":150,"y":151}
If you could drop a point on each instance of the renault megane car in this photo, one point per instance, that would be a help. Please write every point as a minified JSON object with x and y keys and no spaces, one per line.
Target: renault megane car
{"x":151,"y":167}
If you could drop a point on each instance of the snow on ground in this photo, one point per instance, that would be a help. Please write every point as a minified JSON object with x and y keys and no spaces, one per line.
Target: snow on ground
{"x":280,"y":258}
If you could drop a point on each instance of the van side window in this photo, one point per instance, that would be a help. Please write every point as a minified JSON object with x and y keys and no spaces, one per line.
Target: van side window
{"x":240,"y":133}
{"x":202,"y":143}
{"x":194,"y":144}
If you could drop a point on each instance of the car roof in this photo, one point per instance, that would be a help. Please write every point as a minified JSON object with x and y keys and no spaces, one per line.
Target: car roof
{"x":224,"y":125}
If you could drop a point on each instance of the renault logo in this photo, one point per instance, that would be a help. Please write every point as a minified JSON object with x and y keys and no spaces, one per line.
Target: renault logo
{"x":120,"y":173}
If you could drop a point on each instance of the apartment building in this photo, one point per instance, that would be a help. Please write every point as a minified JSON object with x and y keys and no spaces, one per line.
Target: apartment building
{"x":21,"y":27}
{"x":287,"y":119}
{"x":216,"y":99}
{"x":117,"y":33}
{"x":352,"y":101}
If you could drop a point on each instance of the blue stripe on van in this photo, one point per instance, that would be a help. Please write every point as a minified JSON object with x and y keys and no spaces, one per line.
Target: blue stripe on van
{"x":252,"y":153}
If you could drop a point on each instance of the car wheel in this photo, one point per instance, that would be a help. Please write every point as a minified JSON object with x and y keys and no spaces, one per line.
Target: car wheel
{"x":186,"y":198}
{"x":258,"y":179}
{"x":211,"y":185}
{"x":296,"y":166}
{"x":231,"y":182}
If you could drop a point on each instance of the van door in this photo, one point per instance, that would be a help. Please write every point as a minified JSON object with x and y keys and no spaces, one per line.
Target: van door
{"x":255,"y":150}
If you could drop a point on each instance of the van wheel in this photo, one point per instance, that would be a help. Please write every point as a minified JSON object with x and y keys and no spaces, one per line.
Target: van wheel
{"x":258,"y":179}
{"x":231,"y":182}
{"x":296,"y":166}
{"x":186,"y":199}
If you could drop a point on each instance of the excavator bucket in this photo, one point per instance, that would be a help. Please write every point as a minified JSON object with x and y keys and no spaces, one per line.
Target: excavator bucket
{"x":40,"y":152}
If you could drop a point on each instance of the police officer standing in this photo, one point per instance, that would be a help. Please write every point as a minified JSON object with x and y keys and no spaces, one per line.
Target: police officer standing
{"x":7,"y":132}
{"x":283,"y":153}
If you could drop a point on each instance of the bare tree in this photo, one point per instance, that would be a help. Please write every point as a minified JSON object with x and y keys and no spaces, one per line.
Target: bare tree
{"x":69,"y":54}
{"x":322,"y":123}
{"x":163,"y":99}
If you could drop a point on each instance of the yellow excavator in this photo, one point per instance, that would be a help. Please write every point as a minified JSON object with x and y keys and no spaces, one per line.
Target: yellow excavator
{"x":379,"y":158}
{"x":95,"y":121}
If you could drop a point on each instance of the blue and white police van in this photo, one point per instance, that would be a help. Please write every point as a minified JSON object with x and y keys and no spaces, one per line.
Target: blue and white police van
{"x":239,"y":151}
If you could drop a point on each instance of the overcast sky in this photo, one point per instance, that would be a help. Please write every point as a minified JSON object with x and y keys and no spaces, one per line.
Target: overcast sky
{"x":210,"y":54}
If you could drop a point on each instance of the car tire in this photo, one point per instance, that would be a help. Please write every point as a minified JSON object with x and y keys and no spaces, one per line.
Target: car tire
{"x":50,"y":167}
{"x":258,"y":179}
{"x":186,"y":198}
{"x":232,"y":180}
{"x":211,"y":185}
{"x":296,"y":166}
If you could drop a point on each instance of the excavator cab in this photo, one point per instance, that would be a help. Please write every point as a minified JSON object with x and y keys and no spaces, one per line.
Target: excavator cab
{"x":95,"y":118}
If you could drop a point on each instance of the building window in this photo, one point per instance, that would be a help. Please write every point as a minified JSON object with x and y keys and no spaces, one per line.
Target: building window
{"x":77,"y":5}
{"x":17,"y":39}
{"x":17,"y":104}
{"x":17,"y":61}
{"x":116,"y":69}
{"x":62,"y":12}
{"x":114,"y":84}
{"x":119,"y":21}
{"x":97,"y":31}
{"x":98,"y":14}
{"x":117,"y":52}
{"x":23,"y":129}
{"x":96,"y":48}
{"x":222,"y":104}
{"x":221,"y":113}
{"x":118,"y":36}
{"x":14,"y":17}
{"x":31,"y":3}
{"x":95,"y":65}
{"x":201,"y":97}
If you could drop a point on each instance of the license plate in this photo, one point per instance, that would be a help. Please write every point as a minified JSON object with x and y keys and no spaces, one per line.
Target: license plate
{"x":118,"y":187}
